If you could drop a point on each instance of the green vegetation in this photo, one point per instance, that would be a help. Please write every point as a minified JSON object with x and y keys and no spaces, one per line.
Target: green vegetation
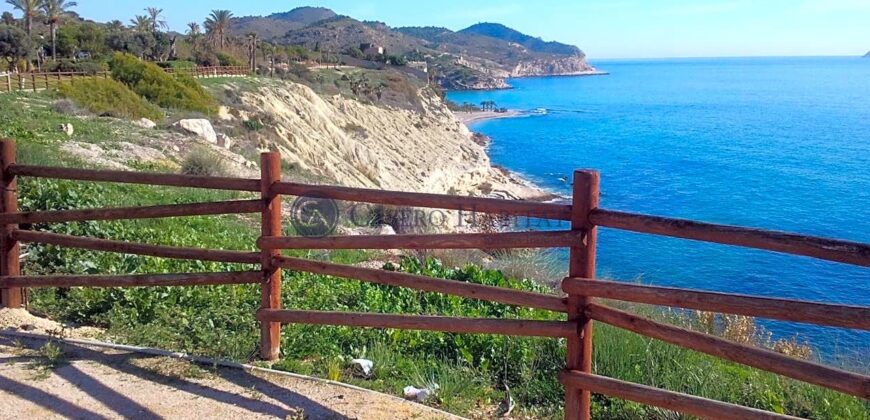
{"x":108,"y":97}
{"x":167,"y":91}
{"x":203,"y":161}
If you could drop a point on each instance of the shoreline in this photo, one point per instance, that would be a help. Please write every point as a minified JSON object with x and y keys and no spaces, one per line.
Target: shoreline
{"x":522,"y":187}
{"x":571,"y":74}
{"x":470,"y":117}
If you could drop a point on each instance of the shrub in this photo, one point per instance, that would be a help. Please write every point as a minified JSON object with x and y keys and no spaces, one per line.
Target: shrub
{"x":108,"y":97}
{"x":203,"y":161}
{"x":225,"y":59}
{"x":150,"y":81}
{"x":68,"y":107}
{"x":253,"y":125}
{"x":89,"y":67}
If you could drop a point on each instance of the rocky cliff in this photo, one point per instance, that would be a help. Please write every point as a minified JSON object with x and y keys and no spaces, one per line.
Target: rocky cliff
{"x":345,"y":141}
{"x":553,"y":67}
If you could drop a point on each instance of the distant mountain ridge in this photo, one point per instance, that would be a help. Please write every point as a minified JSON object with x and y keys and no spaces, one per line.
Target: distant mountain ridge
{"x":499,"y":31}
{"x":481,"y":56}
{"x":867,"y":55}
{"x":278,"y":24}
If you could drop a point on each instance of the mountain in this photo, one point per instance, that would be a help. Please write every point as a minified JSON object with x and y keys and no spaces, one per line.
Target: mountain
{"x":867,"y":55}
{"x":481,"y":56}
{"x":277,"y":24}
{"x":499,"y":31}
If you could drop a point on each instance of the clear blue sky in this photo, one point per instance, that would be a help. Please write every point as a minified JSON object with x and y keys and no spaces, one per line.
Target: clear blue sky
{"x":603,"y":28}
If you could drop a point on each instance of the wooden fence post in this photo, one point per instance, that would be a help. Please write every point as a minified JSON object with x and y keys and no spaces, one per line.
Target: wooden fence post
{"x":270,"y":289}
{"x":12,"y":297}
{"x":9,"y":82}
{"x":581,"y":263}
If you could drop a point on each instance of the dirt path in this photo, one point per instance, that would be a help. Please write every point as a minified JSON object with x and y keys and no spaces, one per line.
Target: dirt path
{"x":81,"y":381}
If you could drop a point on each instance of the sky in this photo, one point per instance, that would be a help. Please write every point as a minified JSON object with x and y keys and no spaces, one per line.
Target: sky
{"x":602,"y":28}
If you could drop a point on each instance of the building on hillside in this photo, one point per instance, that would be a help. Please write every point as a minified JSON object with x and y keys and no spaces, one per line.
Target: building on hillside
{"x":419,"y":65}
{"x":372,"y":49}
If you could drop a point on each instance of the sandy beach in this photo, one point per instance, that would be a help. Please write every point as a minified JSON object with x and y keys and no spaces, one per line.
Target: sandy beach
{"x":476,"y":116}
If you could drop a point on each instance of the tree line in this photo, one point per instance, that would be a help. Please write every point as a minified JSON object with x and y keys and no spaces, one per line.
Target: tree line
{"x":48,"y":35}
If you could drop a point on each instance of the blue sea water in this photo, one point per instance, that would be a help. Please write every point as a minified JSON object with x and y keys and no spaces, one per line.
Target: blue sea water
{"x":778,"y":143}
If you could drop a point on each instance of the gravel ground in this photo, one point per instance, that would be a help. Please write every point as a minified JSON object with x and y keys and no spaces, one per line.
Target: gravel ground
{"x":73,"y":380}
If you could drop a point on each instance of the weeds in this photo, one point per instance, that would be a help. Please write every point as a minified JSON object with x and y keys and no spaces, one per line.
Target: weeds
{"x":205,"y":162}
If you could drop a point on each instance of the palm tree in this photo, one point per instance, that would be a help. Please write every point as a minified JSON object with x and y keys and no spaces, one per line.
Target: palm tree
{"x":157,"y":21}
{"x":29,"y":9}
{"x":140,"y":23}
{"x":218,"y":24}
{"x":194,"y":33}
{"x":55,"y":10}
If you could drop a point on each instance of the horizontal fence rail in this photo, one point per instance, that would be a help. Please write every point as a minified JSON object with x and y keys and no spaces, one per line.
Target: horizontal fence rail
{"x":554,"y":239}
{"x":134,"y":280}
{"x":162,"y":251}
{"x":439,"y":201}
{"x":670,"y":400}
{"x":129,"y":177}
{"x":790,"y":243}
{"x":128,"y":213}
{"x":422,"y":322}
{"x":828,"y":377}
{"x":428,"y":284}
{"x":784,"y":309}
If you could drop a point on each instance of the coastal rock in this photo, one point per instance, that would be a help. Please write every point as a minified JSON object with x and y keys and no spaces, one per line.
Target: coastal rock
{"x":224,"y":141}
{"x":145,"y":123}
{"x":553,"y":67}
{"x":200,"y":127}
{"x":67,"y":129}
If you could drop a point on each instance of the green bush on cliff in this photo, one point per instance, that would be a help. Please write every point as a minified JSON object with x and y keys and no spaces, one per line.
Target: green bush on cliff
{"x":165,"y":90}
{"x":109,"y":97}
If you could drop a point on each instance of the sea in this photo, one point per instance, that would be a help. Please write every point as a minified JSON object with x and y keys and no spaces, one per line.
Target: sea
{"x":775,"y":143}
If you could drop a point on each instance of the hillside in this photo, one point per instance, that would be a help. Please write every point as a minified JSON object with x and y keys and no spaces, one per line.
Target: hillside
{"x":499,"y":31}
{"x":867,"y":55}
{"x":479,"y":57}
{"x":278,"y":24}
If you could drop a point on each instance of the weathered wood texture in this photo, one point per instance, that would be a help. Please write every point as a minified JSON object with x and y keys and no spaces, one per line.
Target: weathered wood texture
{"x":9,"y":248}
{"x":128,"y":213}
{"x":440,"y":201}
{"x":784,"y":309}
{"x":828,"y":377}
{"x":422,"y":322}
{"x":688,"y":404}
{"x":504,"y":240}
{"x":428,"y":284}
{"x":581,"y":263}
{"x":134,"y":280}
{"x":136,"y":248}
{"x":810,"y":246}
{"x":128,"y":177}
{"x":270,"y":289}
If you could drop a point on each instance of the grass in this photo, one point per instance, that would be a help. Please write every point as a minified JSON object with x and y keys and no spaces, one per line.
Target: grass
{"x":471,"y":371}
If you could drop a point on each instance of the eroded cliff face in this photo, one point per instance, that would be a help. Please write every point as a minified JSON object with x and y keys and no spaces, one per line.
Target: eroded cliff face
{"x":362,"y":145}
{"x":553,"y":67}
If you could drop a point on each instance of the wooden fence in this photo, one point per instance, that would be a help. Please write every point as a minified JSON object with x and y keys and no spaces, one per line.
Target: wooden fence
{"x":215,"y":71}
{"x":580,"y":287}
{"x":37,"y":81}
